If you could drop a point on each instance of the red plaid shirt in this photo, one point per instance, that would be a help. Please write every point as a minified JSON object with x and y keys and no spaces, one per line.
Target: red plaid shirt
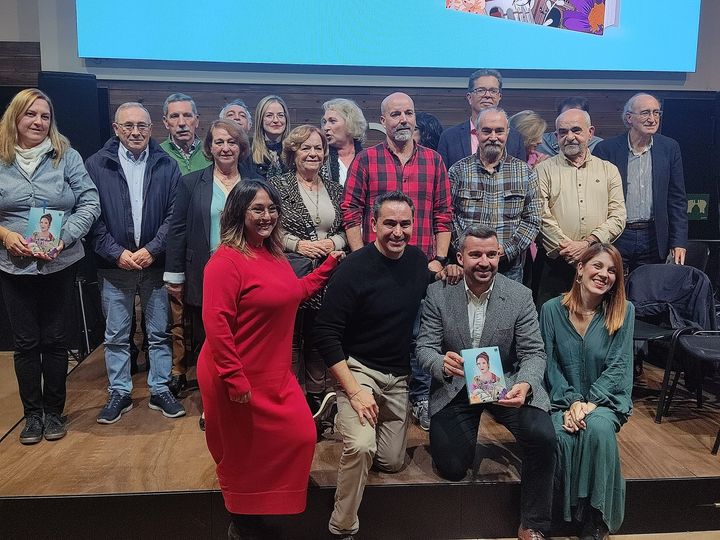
{"x":423,"y":178}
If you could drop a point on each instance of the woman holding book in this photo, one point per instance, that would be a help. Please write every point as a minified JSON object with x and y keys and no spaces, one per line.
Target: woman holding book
{"x":588,"y":339}
{"x":39,"y":169}
{"x":259,"y":429}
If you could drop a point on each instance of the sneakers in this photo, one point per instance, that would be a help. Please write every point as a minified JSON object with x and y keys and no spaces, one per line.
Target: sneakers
{"x":321,"y":404}
{"x":166,"y":403}
{"x":177,"y":384}
{"x":55,"y":427}
{"x":33,"y":431}
{"x":117,"y":405}
{"x":201,"y":422}
{"x":420,"y":413}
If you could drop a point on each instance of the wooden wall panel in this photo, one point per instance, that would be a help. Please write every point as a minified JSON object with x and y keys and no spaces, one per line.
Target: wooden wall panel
{"x":305,"y":102}
{"x":19,"y":63}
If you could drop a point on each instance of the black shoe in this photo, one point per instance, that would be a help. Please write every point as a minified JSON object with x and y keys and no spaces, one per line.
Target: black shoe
{"x":320,"y":404}
{"x":201,"y":422}
{"x":166,"y":403}
{"x":33,"y":431}
{"x":117,"y":405}
{"x":594,"y":527}
{"x":177,"y":384}
{"x":55,"y":427}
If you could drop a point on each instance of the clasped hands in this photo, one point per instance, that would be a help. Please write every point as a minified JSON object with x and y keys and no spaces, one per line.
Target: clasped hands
{"x":574,"y":417}
{"x":315,"y":249}
{"x":451,"y":274}
{"x":137,"y":260}
{"x":516,"y":396}
{"x":572,"y":250}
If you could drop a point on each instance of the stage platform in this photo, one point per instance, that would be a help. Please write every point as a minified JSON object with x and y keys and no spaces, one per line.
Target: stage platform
{"x":148,"y":476}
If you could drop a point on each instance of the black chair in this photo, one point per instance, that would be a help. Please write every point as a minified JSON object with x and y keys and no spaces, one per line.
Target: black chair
{"x":697,"y":254}
{"x":670,"y":301}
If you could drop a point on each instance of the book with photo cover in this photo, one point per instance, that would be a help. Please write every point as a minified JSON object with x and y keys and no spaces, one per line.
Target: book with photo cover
{"x":484,"y":374}
{"x":43,"y":230}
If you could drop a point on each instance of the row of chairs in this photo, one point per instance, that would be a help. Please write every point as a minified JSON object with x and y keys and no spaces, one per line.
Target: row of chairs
{"x":675,"y":305}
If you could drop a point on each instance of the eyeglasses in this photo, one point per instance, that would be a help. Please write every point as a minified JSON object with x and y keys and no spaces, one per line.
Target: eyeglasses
{"x":480,"y":90}
{"x":657,"y":113}
{"x":258,"y":211}
{"x":129,"y":127}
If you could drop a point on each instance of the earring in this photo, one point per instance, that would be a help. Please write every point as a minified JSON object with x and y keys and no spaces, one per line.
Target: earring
{"x":578,"y":279}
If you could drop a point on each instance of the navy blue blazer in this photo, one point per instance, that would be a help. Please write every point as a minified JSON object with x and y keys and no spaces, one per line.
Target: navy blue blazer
{"x":188,"y":239}
{"x":455,"y":144}
{"x":669,"y":199}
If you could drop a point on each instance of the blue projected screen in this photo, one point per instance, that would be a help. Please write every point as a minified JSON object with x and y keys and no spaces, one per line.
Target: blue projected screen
{"x":605,"y":35}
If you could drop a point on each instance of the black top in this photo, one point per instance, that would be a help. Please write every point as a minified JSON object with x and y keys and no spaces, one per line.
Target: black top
{"x":370,"y":307}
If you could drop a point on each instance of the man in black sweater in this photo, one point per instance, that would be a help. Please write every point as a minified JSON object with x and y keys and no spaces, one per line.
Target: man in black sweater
{"x":363,"y":333}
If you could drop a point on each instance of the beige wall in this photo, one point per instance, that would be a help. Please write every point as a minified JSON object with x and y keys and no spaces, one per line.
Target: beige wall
{"x":58,"y":50}
{"x":19,"y":20}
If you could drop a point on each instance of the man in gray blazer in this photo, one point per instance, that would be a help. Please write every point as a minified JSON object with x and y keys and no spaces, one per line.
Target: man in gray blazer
{"x":489,"y":310}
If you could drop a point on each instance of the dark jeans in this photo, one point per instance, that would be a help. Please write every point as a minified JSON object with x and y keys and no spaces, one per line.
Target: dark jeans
{"x":453,"y":437}
{"x":638,"y":247}
{"x":38,"y":307}
{"x":419,"y":380}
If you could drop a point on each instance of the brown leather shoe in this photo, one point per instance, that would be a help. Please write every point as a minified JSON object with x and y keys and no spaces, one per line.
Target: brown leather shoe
{"x":529,"y":534}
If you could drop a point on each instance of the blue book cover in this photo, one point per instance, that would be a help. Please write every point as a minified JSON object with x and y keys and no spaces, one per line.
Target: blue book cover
{"x":484,"y":374}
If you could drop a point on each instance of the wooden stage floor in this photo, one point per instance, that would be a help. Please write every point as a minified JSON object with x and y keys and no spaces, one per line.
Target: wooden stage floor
{"x":146,"y":453}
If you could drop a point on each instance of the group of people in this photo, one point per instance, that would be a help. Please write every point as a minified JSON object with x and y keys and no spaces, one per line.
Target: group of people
{"x":234,"y":247}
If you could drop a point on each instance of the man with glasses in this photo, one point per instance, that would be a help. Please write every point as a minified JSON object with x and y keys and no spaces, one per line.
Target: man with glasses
{"x":494,"y":189}
{"x":457,"y":142}
{"x":136,"y":181}
{"x":651,"y":168}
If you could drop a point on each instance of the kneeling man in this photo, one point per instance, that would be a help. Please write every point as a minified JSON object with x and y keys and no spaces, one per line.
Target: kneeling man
{"x":489,"y":310}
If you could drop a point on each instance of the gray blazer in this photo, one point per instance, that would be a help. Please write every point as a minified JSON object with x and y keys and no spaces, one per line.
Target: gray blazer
{"x":511,"y":324}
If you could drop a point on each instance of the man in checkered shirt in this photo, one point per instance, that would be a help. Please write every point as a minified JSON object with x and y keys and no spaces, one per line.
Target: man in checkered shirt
{"x":494,"y":189}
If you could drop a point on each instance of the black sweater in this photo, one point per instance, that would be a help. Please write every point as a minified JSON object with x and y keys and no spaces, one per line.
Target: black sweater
{"x":369,"y":309}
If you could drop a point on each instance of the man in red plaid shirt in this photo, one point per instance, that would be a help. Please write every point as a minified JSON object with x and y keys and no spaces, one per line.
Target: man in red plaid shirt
{"x":399,"y":164}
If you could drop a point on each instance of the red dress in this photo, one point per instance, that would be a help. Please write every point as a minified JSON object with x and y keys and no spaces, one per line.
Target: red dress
{"x":264,"y":448}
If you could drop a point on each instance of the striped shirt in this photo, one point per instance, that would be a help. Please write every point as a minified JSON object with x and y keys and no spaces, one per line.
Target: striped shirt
{"x":506,"y":199}
{"x":423,"y":178}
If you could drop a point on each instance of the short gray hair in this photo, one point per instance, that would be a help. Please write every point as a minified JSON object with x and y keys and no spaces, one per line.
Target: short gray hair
{"x":351,"y":113}
{"x":130,"y":105}
{"x":173,"y":98}
{"x":476,"y":231}
{"x":630,"y":103}
{"x":484,"y":73}
{"x":239,"y":103}
{"x":585,"y":115}
{"x":483,"y":112}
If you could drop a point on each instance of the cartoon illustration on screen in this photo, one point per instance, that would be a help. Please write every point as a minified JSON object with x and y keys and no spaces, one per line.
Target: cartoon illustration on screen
{"x":587,"y":16}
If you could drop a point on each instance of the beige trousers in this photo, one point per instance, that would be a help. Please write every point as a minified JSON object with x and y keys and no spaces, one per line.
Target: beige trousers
{"x":364,"y":446}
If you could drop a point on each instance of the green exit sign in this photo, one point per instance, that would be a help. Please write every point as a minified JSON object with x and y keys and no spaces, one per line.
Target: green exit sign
{"x":698,"y":206}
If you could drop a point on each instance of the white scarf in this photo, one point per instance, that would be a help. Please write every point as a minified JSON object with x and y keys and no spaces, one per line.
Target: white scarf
{"x":29,"y":158}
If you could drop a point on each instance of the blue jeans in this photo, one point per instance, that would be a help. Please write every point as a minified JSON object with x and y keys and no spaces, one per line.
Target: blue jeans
{"x":419,"y":379}
{"x":638,"y":247}
{"x":118,"y":289}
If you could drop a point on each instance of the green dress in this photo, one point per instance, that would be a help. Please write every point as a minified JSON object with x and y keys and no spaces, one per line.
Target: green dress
{"x":597,"y":368}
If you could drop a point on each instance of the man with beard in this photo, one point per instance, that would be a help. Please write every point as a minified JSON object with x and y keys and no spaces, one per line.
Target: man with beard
{"x":651,"y":168}
{"x":493,"y":188}
{"x":489,"y":310}
{"x":582,"y":203}
{"x":400,"y":164}
{"x":484,"y":91}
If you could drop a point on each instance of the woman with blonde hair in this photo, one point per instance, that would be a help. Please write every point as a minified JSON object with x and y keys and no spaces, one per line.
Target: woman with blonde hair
{"x":39,"y":169}
{"x":588,"y":336}
{"x":272,"y":125}
{"x":531,"y":127}
{"x":344,"y":126}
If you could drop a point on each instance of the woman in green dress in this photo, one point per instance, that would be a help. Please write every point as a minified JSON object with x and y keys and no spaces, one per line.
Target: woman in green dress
{"x":588,"y":339}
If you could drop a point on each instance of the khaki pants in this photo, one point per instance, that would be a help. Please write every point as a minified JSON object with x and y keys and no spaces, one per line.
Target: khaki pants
{"x":384,"y":445}
{"x":177,"y":331}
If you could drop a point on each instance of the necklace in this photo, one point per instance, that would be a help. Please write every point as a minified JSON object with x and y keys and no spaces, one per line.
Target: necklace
{"x":316,"y":202}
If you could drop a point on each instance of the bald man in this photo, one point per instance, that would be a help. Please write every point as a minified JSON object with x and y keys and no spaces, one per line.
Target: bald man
{"x":582,"y":202}
{"x":400,"y":164}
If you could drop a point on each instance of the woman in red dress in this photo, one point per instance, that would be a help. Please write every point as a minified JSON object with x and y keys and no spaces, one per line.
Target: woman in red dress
{"x":259,"y":429}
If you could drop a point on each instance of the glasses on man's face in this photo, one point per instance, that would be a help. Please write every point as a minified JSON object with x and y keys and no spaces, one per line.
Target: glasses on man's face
{"x":129,"y":127}
{"x":481,"y":91}
{"x":259,"y":211}
{"x":655,"y":113}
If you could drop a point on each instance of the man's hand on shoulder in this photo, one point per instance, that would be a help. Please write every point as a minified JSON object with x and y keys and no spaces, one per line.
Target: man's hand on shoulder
{"x":516,"y":396}
{"x":452,"y":274}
